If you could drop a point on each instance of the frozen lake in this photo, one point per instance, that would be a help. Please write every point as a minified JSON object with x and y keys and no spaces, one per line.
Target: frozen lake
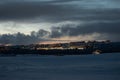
{"x":83,"y":67}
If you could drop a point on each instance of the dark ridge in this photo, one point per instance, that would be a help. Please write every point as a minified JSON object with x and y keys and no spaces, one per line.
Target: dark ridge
{"x":60,"y":49}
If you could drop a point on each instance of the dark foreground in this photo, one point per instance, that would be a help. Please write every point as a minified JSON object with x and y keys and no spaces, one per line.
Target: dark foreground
{"x":82,"y":67}
{"x":72,"y":49}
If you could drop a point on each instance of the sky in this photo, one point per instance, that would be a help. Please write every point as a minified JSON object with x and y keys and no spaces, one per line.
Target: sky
{"x":33,"y":21}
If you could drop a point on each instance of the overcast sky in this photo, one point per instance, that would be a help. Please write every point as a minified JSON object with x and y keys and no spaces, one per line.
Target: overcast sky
{"x":62,"y":18}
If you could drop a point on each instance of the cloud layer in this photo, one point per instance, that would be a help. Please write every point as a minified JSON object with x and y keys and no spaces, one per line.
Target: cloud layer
{"x":90,"y":31}
{"x":22,"y":39}
{"x":97,"y":17}
{"x":110,"y":30}
{"x":59,"y":10}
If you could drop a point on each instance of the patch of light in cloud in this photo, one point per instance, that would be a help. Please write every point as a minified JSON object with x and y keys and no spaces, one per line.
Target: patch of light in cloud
{"x":81,"y":37}
{"x":27,"y":27}
{"x":14,"y":27}
{"x":73,"y":23}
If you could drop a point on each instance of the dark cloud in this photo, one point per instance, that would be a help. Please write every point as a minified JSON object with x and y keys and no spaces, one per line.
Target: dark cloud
{"x":26,"y":10}
{"x":29,"y":10}
{"x":20,"y":38}
{"x":110,"y":30}
{"x":50,"y":11}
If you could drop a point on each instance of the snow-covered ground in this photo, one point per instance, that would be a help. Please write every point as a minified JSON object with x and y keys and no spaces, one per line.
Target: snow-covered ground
{"x":83,"y":67}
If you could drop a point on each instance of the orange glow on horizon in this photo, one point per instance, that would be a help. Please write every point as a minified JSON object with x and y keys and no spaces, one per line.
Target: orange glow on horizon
{"x":53,"y":42}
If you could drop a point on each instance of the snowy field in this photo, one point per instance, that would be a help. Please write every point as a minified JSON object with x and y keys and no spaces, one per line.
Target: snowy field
{"x":83,"y":67}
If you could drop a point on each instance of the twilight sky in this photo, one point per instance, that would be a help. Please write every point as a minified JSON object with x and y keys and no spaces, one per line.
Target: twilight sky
{"x":41,"y":20}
